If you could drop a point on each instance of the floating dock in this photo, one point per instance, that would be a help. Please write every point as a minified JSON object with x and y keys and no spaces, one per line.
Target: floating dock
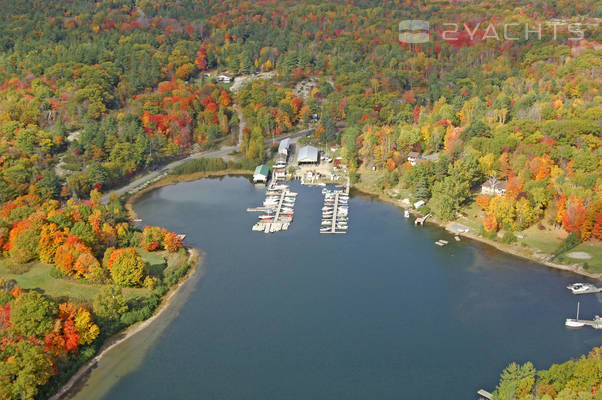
{"x":595,"y":323}
{"x":278,"y":215}
{"x":337,"y":223}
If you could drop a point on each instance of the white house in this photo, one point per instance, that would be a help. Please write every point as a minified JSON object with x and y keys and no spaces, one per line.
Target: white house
{"x":413,"y":158}
{"x":494,"y":187}
{"x":225,"y":77}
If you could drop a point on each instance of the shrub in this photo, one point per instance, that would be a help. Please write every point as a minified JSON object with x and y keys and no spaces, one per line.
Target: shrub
{"x":508,"y":237}
{"x":570,"y":242}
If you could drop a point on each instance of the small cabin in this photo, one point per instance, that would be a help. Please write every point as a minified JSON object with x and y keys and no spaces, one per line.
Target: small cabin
{"x":225,"y":77}
{"x":414,"y":158}
{"x":261,"y":174}
{"x":494,"y":187}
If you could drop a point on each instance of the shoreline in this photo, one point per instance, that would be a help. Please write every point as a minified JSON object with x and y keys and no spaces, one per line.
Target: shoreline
{"x":169,"y":180}
{"x":526,"y":254}
{"x":72,"y":385}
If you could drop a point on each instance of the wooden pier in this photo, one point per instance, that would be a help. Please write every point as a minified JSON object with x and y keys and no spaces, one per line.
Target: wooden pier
{"x":277,"y":223}
{"x":421,"y":220}
{"x":333,"y":229}
{"x":282,"y":195}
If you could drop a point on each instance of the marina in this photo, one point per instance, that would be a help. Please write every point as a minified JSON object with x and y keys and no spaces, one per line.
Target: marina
{"x":335,"y":212}
{"x":314,"y":284}
{"x":278,"y":209}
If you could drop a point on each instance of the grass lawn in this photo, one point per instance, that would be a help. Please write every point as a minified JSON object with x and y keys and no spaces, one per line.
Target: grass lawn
{"x":371,"y":179}
{"x":155,"y":260}
{"x":37,"y":276}
{"x":595,"y":263}
{"x":545,"y":241}
{"x":472,"y":218}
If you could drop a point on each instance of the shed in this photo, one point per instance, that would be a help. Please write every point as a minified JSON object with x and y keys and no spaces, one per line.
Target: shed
{"x":284,"y":146}
{"x":261,"y":173}
{"x":307,"y":154}
{"x":419,"y":204}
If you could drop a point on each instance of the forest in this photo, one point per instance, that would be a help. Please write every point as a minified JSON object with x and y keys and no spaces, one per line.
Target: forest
{"x":93,"y":93}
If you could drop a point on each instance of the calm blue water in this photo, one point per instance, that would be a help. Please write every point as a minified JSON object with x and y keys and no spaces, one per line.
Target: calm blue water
{"x":379,"y":313}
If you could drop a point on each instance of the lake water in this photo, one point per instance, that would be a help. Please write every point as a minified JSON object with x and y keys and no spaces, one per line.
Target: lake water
{"x":379,"y":313}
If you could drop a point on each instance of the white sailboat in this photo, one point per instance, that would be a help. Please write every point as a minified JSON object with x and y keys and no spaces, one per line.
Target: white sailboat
{"x":574,"y":323}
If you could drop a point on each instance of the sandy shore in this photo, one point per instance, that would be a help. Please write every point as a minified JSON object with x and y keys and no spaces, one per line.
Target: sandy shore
{"x":120,"y":337}
{"x":522,"y":252}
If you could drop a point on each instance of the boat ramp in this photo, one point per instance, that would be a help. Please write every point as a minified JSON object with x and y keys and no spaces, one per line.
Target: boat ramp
{"x":277,"y":209}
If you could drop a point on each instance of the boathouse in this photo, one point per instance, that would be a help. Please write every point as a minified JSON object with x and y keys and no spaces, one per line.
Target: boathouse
{"x":261,"y":174}
{"x":308,"y":155}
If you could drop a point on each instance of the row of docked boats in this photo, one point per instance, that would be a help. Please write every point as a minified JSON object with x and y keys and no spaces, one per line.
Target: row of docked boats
{"x":278,"y":209}
{"x":335,"y":212}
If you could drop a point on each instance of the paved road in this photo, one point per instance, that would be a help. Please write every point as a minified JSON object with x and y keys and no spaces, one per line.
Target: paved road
{"x":223,"y":152}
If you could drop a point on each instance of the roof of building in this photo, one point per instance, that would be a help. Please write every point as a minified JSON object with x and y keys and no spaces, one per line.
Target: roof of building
{"x":262,"y":170}
{"x":495,"y":184}
{"x":413,"y":154}
{"x":284,"y":145}
{"x":307,"y":154}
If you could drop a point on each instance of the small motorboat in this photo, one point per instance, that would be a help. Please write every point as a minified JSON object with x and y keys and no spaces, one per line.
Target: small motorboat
{"x":326,"y":208}
{"x":406,"y":213}
{"x":325,"y":229}
{"x":583,"y":288}
{"x":266,"y":217}
{"x":574,"y":322}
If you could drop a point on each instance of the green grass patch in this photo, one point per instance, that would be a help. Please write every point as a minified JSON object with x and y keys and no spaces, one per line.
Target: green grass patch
{"x":155,"y":260}
{"x":594,"y":264}
{"x":37,"y":276}
{"x":542,"y":240}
